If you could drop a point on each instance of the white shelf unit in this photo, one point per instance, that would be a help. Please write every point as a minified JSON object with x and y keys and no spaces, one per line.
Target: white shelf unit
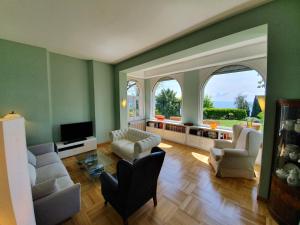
{"x":67,"y":150}
{"x":201,"y":137}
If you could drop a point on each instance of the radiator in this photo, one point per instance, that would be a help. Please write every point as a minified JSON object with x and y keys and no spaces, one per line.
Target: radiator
{"x":138,"y":124}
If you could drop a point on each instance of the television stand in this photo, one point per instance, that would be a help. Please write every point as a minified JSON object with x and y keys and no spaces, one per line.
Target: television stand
{"x":75,"y":147}
{"x":75,"y":140}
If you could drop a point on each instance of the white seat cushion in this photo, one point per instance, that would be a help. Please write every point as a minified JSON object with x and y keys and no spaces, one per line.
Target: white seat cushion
{"x":51,"y":171}
{"x":46,"y":159}
{"x":217,"y":153}
{"x":123,"y":148}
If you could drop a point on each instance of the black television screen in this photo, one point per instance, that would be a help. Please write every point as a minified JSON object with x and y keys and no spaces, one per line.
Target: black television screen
{"x":76,"y":131}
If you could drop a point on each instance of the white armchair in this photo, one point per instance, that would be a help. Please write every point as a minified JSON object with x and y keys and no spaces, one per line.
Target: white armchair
{"x":132,"y":143}
{"x":236,"y":158}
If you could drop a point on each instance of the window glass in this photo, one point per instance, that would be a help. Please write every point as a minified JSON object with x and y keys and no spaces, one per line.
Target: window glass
{"x":167,"y":100}
{"x":133,"y":99}
{"x":234,"y":98}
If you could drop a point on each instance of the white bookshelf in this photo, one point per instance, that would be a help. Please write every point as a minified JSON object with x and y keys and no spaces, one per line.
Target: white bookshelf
{"x":193,"y":136}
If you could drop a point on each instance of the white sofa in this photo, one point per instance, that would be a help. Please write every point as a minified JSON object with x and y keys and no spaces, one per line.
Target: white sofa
{"x":132,"y":143}
{"x":236,"y":158}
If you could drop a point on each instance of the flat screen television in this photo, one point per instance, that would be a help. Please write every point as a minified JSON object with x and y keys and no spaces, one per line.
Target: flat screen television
{"x":76,"y":131}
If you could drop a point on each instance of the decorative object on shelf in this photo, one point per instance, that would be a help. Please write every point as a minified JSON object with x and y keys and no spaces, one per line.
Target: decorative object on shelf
{"x":289,"y":125}
{"x":249,"y":122}
{"x":213,"y":125}
{"x":284,"y":200}
{"x":159,"y":117}
{"x":297,"y":126}
{"x":12,"y":115}
{"x":293,"y":178}
{"x":189,"y":124}
{"x":282,"y":174}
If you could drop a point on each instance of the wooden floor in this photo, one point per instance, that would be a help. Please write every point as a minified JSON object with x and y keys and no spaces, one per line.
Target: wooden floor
{"x":188,"y":194}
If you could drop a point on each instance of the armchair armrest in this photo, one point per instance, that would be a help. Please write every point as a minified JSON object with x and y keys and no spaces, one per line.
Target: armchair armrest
{"x":231,"y":152}
{"x":146,"y":144}
{"x":108,"y":182}
{"x":42,"y":148}
{"x":118,"y":134}
{"x":223,"y":144}
{"x":58,"y":206}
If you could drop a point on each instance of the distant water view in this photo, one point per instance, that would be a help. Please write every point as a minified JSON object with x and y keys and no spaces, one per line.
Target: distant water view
{"x":224,"y":104}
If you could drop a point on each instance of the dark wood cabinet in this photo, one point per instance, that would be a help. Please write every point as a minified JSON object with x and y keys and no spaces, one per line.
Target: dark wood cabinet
{"x":284,"y":201}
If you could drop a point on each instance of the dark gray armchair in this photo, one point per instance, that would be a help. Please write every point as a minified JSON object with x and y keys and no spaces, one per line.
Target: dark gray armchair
{"x":135,"y":183}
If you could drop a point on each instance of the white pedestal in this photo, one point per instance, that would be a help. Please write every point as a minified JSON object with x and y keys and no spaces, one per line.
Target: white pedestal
{"x":67,"y":150}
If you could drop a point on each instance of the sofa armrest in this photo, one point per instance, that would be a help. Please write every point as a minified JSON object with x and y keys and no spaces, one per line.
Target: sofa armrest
{"x":146,"y":144}
{"x":232,"y":152}
{"x":59,"y":206}
{"x":108,"y":182}
{"x":42,"y":148}
{"x":118,"y":134}
{"x":223,"y":144}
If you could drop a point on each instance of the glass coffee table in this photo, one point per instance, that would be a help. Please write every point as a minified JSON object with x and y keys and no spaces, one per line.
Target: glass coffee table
{"x":94,"y":162}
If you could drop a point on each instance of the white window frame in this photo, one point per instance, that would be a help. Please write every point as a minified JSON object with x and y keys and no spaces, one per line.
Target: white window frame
{"x":140,"y":99}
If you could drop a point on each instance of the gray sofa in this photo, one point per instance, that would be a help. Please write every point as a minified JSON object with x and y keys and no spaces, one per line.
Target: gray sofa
{"x":55,"y":196}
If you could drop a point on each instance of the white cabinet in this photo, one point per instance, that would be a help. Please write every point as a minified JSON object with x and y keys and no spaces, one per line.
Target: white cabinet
{"x":174,"y":136}
{"x":201,"y":137}
{"x":67,"y":150}
{"x":155,"y":131}
{"x":193,"y":140}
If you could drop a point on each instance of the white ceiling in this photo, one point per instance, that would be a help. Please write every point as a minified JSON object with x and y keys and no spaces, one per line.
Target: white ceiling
{"x":109,"y":30}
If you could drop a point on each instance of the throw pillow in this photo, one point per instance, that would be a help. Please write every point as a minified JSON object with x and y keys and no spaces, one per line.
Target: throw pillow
{"x":31,"y":158}
{"x":43,"y":189}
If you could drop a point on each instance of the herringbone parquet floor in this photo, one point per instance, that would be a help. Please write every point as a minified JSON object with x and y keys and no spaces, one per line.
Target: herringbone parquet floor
{"x":188,"y":194}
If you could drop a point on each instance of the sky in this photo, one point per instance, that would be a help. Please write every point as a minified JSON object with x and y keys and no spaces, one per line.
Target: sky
{"x":225,"y":87}
{"x":172,"y":84}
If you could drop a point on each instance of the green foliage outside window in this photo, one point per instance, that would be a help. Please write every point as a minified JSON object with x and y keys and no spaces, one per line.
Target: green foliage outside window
{"x":167,"y":104}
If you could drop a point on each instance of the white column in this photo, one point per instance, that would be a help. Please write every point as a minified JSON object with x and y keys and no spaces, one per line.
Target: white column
{"x":16,"y":206}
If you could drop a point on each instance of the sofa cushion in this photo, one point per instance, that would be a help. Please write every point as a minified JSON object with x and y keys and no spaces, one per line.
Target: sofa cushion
{"x":46,"y":159}
{"x":135,"y":135}
{"x":31,"y":158}
{"x":64,"y":182}
{"x":51,"y":171}
{"x":217,"y":153}
{"x":123,"y":148}
{"x":44,"y":188}
{"x":32,"y":174}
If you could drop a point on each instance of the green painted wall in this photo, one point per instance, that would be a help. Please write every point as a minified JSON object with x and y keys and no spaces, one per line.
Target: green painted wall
{"x":70,"y":91}
{"x":190,"y":111}
{"x":49,"y":89}
{"x":283,"y":78}
{"x":24,"y":88}
{"x":101,"y":77}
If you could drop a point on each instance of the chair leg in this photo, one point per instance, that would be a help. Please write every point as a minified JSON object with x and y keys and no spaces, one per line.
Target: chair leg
{"x":155,"y":200}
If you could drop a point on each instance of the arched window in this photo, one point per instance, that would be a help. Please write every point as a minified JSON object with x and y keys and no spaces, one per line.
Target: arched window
{"x":167,"y":96}
{"x":133,"y":99}
{"x":233,"y":95}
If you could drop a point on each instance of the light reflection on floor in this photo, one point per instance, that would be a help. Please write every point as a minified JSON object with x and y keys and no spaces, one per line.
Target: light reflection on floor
{"x":200,"y":157}
{"x":164,"y":145}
